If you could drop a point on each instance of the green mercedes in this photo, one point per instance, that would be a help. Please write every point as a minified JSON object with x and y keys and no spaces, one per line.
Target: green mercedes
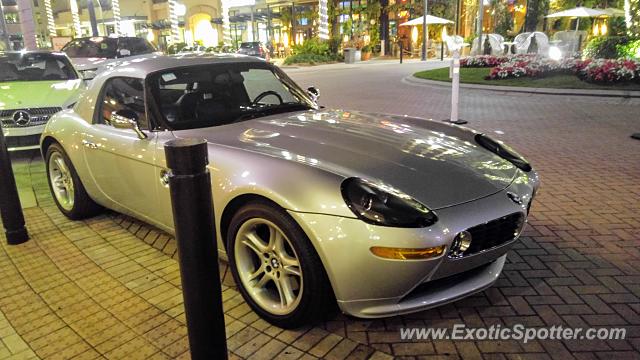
{"x":34,"y":85}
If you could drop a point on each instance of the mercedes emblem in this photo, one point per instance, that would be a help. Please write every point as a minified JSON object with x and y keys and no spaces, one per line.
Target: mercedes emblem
{"x":21,"y":118}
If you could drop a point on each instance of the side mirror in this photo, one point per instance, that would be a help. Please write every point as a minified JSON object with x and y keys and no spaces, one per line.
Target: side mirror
{"x":89,"y":74}
{"x":314,"y":93}
{"x":127,"y":120}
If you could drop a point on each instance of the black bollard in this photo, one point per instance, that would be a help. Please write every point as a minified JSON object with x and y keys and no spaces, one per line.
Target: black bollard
{"x":192,"y":204}
{"x":442,"y":50}
{"x":10,"y":207}
{"x":401,"y":51}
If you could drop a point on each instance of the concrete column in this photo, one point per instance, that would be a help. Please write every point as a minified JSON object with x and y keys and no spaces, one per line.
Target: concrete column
{"x":27,"y":24}
{"x":4,"y":34}
{"x":323,"y":26}
{"x":73,"y":5}
{"x":115,"y":9}
{"x":226,"y":24}
{"x":51,"y":25}
{"x":173,"y":19}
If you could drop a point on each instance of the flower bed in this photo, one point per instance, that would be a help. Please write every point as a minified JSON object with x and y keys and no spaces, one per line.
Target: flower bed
{"x":606,"y":71}
{"x":601,"y":71}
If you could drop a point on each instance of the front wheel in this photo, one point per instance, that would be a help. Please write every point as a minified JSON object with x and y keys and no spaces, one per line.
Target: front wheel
{"x":276,"y":268}
{"x":65,"y":185}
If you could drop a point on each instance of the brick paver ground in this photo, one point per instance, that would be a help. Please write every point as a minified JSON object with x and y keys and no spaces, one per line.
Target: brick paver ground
{"x":109,"y":288}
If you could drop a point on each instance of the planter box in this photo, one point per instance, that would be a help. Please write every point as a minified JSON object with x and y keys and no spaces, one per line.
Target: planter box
{"x":352,"y":55}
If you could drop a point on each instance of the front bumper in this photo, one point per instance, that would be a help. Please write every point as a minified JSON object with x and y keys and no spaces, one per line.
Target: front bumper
{"x":25,"y":138}
{"x":369,"y":286}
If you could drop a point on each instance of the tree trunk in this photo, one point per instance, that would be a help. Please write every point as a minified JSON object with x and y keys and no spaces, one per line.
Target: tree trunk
{"x":531,"y":19}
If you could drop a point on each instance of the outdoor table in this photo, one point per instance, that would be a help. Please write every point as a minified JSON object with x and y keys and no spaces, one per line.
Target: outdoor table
{"x":509,"y":46}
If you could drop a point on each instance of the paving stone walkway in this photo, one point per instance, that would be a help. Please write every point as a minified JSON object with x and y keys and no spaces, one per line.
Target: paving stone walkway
{"x":109,"y":287}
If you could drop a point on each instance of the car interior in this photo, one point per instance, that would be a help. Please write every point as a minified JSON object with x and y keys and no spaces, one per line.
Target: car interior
{"x":217,"y":96}
{"x":35,"y":68}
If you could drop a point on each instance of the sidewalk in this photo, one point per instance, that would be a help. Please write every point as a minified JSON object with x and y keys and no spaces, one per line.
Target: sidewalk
{"x":109,"y":288}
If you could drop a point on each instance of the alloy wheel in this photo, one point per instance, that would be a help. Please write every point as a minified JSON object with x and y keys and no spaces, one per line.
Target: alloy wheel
{"x":61,"y":181}
{"x":268,"y":266}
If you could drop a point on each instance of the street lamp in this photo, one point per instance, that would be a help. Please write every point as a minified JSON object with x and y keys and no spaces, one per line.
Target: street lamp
{"x":425,"y":33}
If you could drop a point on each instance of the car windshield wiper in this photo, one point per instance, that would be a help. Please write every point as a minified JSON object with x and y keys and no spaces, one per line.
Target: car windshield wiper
{"x":271,"y":109}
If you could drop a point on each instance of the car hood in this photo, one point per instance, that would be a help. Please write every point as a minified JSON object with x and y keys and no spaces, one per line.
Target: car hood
{"x":437,"y":164}
{"x":36,"y":94}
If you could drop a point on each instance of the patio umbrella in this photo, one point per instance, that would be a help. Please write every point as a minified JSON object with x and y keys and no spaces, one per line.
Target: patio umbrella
{"x":430,"y":21}
{"x":578,"y":13}
{"x":613,"y":12}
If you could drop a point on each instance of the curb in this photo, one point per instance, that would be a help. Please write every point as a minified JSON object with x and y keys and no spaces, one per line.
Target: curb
{"x":412,"y":80}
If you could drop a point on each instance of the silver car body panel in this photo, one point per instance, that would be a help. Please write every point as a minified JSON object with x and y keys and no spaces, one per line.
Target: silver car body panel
{"x":299,"y":160}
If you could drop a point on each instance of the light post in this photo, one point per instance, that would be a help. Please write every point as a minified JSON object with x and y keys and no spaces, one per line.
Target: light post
{"x":425,"y":33}
{"x":480,"y":20}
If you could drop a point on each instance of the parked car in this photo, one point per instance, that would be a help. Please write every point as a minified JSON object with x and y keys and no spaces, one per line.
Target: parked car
{"x":220,"y":49}
{"x":33,"y":86}
{"x":254,"y":48}
{"x":195,"y":48}
{"x":381,"y":214}
{"x":91,"y":55}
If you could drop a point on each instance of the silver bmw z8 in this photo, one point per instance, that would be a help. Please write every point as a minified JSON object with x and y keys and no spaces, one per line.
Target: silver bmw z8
{"x":379,"y":214}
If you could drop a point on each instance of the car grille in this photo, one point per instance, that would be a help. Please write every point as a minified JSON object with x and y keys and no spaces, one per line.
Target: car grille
{"x":38,"y":116}
{"x":494,"y":233}
{"x":446,"y":282}
{"x":22,"y":141}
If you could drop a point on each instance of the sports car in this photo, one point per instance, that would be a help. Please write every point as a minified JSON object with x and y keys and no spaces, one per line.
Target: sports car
{"x":34,"y":85}
{"x":379,"y":214}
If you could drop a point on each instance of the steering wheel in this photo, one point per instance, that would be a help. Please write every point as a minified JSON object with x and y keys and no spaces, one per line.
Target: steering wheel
{"x":265,"y":94}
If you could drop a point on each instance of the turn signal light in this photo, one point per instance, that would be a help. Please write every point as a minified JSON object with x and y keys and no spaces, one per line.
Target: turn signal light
{"x":407,"y":253}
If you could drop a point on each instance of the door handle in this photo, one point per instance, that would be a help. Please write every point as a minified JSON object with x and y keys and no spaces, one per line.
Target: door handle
{"x":89,"y":144}
{"x":164,"y":177}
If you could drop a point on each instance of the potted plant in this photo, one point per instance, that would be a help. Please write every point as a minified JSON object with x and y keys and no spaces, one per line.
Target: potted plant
{"x":366,"y":52}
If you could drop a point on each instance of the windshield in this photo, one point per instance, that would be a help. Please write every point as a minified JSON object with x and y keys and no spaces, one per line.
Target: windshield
{"x":35,"y":67}
{"x":220,"y":94}
{"x":96,"y":47}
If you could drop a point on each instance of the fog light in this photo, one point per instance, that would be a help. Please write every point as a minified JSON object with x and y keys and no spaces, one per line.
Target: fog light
{"x":461,"y":243}
{"x":407,"y":253}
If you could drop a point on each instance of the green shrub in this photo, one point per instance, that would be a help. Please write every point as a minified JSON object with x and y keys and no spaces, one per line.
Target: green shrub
{"x":334,"y":44}
{"x":312,"y":46}
{"x":366,"y":48}
{"x":314,"y":51}
{"x":175,"y":48}
{"x":311,"y":59}
{"x":630,"y":49}
{"x":605,"y":47}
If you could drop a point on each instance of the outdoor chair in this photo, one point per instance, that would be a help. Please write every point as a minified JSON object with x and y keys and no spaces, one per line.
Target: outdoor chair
{"x":569,"y":40}
{"x":453,"y":42}
{"x":543,"y":42}
{"x":522,"y":42}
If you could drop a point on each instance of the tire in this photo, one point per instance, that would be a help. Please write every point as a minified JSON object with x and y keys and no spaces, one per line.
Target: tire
{"x":66,"y":188}
{"x":310,"y":297}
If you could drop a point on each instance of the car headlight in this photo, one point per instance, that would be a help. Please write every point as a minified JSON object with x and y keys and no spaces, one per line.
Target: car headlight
{"x":503,"y":151}
{"x":385,"y":206}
